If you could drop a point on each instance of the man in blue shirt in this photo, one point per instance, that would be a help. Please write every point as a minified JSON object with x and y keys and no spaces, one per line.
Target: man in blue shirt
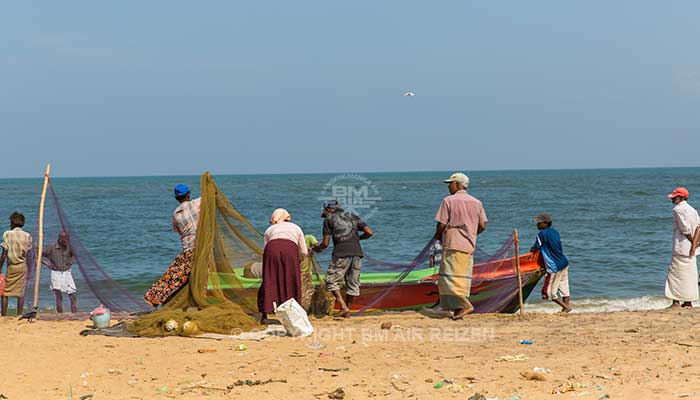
{"x":548,"y":243}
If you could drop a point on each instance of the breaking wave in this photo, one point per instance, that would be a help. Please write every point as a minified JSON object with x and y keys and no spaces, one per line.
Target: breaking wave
{"x":603,"y":304}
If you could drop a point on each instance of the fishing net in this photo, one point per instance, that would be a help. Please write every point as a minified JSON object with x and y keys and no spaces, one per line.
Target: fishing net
{"x":413,"y":285}
{"x":94,"y":285}
{"x":225,"y":240}
{"x":221,"y":298}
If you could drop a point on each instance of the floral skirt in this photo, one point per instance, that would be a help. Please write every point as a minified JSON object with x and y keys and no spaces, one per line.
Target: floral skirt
{"x":173,"y":280}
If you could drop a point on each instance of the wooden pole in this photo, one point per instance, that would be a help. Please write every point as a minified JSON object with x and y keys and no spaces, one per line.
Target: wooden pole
{"x":40,"y":245}
{"x":517,"y":267}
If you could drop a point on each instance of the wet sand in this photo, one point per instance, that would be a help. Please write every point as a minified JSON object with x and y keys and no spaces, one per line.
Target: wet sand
{"x":640,"y":355}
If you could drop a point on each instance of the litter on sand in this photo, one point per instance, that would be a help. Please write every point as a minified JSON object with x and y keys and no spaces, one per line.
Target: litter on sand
{"x":569,"y":387}
{"x":517,"y":357}
{"x":533,"y":376}
{"x":249,"y":382}
{"x":337,"y":394}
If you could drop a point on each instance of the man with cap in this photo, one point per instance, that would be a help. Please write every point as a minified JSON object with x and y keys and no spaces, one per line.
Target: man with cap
{"x":344,"y":227}
{"x":184,"y":222}
{"x":682,"y":276}
{"x":556,"y":282}
{"x":460,"y":218}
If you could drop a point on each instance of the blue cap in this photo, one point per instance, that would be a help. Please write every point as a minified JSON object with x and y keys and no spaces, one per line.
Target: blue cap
{"x":181,"y":190}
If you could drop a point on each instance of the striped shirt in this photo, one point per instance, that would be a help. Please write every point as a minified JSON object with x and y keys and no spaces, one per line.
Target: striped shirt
{"x":185,"y":218}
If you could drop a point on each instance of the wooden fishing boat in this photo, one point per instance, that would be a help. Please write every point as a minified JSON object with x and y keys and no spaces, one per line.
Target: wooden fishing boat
{"x":494,"y":287}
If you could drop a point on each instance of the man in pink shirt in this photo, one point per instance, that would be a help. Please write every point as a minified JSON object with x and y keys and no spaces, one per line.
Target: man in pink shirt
{"x":460,"y":218}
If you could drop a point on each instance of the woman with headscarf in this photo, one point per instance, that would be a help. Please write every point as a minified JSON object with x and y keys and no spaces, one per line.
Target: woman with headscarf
{"x":284,"y":247}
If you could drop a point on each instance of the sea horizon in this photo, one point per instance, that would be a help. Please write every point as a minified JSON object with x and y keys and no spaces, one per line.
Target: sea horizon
{"x":467,"y":171}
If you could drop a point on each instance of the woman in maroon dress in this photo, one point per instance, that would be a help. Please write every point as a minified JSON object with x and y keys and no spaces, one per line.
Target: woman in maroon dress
{"x":284,"y":247}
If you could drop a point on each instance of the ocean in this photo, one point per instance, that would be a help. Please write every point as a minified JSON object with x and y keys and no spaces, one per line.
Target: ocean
{"x":615,"y":224}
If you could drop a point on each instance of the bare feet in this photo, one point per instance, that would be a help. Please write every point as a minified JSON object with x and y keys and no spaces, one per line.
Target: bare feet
{"x":344,"y":314}
{"x":436,"y":312}
{"x":267,"y":321}
{"x":566,"y":310}
{"x":461,"y":312}
{"x":675,"y":304}
{"x":687,"y":304}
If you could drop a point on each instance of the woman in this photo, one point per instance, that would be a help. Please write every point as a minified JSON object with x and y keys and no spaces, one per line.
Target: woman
{"x":184,"y":221}
{"x":284,"y":247}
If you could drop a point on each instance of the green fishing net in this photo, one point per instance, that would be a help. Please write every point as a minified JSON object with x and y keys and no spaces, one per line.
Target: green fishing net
{"x":225,"y":241}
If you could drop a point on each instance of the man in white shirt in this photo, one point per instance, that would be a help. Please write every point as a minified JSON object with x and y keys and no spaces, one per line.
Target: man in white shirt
{"x":682,"y":277}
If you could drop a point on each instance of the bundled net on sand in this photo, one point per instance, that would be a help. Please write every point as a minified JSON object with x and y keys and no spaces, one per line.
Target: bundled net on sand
{"x":225,"y":240}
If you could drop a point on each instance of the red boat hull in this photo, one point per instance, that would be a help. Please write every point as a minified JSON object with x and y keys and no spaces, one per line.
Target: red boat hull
{"x":494,"y":289}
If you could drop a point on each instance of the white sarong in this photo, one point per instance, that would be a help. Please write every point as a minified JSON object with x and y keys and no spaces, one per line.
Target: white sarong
{"x":682,"y":279}
{"x":63,"y":282}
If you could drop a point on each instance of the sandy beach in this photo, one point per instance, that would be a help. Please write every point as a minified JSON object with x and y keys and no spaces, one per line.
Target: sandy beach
{"x":641,"y":355}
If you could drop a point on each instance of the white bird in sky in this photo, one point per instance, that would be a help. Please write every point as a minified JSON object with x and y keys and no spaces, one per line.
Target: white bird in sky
{"x":409,"y":94}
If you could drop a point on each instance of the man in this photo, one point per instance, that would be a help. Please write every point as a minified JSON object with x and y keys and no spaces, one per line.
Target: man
{"x":682,"y":277}
{"x":460,"y":218}
{"x":16,"y":244}
{"x":548,"y":243}
{"x":346,"y":262}
{"x":184,"y":221}
{"x":59,"y":258}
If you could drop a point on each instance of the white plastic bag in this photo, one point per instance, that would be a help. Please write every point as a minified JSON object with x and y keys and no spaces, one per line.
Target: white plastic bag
{"x":294,"y":318}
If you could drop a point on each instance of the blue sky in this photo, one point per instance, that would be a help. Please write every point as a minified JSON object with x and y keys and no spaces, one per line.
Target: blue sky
{"x":151,"y":88}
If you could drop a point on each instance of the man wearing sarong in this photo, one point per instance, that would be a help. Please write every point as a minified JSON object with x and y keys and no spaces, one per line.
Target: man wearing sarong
{"x":59,"y":258}
{"x":460,"y":218}
{"x":16,"y":244}
{"x":184,"y":222}
{"x":682,"y":277}
{"x":346,"y":263}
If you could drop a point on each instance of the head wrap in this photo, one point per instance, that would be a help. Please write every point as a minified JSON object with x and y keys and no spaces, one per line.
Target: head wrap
{"x":279,"y":215}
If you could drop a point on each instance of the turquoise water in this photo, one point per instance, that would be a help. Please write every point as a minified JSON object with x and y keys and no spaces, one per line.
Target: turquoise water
{"x":615,"y":224}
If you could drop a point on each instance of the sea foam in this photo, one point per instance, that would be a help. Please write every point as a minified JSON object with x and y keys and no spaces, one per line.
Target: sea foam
{"x":603,"y":304}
